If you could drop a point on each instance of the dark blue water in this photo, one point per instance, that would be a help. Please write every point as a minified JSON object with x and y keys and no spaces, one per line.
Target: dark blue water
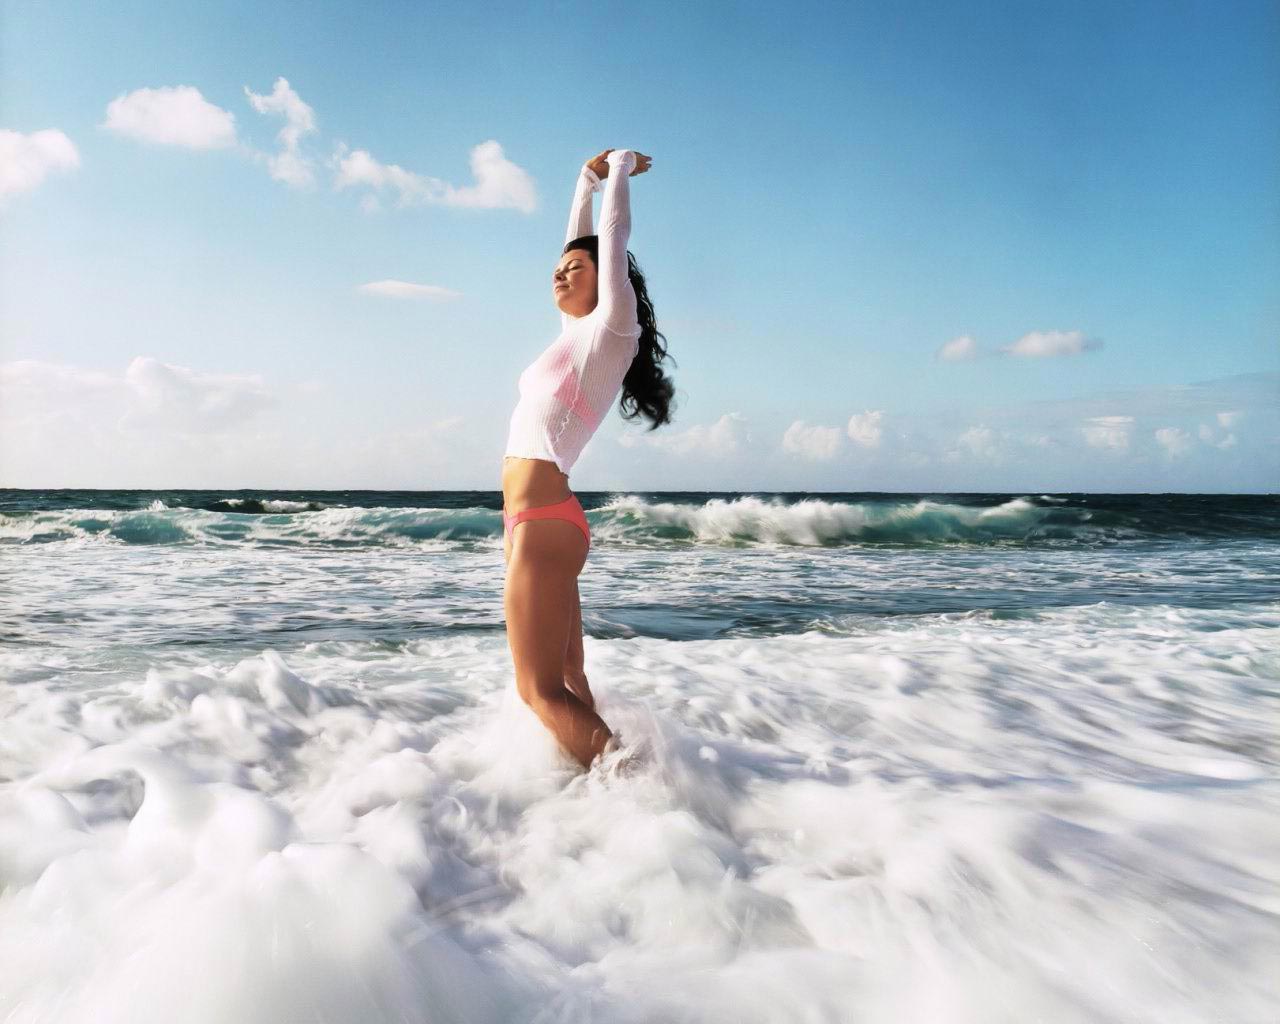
{"x":870,"y":517}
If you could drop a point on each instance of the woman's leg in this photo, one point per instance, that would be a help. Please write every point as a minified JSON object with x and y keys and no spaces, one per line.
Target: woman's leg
{"x":575,"y":677}
{"x":541,"y":589}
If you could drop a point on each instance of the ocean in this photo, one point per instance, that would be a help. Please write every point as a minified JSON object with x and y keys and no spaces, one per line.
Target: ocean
{"x":907,"y":757}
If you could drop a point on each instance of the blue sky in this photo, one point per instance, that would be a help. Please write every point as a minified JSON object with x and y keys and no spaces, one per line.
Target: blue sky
{"x":892,"y":246}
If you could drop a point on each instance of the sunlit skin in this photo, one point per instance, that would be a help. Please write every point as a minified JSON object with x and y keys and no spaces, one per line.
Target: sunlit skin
{"x":545,"y":556}
{"x":574,"y":280}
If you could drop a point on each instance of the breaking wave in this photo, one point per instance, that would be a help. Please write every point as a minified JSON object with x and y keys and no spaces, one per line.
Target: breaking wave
{"x":400,"y":519}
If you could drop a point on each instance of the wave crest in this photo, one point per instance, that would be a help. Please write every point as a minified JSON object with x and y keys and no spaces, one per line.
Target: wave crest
{"x":819,"y":522}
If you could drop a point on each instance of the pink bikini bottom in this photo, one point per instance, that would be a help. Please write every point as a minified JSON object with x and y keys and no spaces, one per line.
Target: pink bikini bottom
{"x":569,"y":509}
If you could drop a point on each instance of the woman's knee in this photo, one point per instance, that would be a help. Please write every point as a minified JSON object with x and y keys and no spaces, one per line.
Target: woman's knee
{"x":539,"y":688}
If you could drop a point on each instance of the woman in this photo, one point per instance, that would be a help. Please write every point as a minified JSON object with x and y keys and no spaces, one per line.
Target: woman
{"x":608,"y":342}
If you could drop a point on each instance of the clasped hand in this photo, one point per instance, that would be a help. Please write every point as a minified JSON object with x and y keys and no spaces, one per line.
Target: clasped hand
{"x":601,"y":166}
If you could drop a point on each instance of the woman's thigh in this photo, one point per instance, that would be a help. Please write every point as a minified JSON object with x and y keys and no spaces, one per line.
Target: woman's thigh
{"x":540,"y":599}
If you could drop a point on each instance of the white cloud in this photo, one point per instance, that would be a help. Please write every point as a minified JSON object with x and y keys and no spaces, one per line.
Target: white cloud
{"x":289,"y":165}
{"x":159,"y":425}
{"x":149,"y":395}
{"x":865,"y":428}
{"x":957,"y":349}
{"x":358,"y":167}
{"x":500,"y":184}
{"x":1034,"y":345}
{"x":182,"y":399}
{"x":156,"y":424}
{"x":299,"y":118}
{"x":171,"y":116}
{"x":1220,"y":436}
{"x":977,"y":442}
{"x":67,"y":425}
{"x":1110,"y":432}
{"x":726,"y":436}
{"x":407,"y":290}
{"x":26,"y":160}
{"x":1174,"y":441}
{"x":814,"y":443}
{"x":34,"y":387}
{"x":1047,"y":344}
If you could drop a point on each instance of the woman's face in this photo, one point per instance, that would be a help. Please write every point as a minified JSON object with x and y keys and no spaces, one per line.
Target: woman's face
{"x":573,"y":283}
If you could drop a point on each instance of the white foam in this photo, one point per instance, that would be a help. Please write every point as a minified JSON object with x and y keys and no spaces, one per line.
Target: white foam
{"x":1066,"y":817}
{"x":815,"y":521}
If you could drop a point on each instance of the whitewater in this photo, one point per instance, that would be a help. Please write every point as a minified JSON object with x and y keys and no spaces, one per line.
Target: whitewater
{"x":934,"y":758}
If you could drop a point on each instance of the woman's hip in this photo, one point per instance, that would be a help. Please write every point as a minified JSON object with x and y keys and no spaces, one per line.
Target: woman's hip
{"x":569,"y":509}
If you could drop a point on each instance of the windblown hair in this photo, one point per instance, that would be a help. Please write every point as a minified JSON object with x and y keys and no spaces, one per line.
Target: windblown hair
{"x":645,"y":389}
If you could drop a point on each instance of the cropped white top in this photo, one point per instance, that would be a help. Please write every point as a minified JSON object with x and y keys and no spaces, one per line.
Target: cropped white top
{"x":568,"y":390}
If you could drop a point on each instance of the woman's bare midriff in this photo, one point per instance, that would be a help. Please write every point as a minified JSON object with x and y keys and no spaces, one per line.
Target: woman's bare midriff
{"x":528,"y":483}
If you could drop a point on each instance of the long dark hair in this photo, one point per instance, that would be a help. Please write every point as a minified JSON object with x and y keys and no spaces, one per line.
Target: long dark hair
{"x":645,"y":389}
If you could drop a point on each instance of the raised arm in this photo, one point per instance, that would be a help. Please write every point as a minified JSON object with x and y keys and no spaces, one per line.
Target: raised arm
{"x":616,"y":303}
{"x":580,"y":211}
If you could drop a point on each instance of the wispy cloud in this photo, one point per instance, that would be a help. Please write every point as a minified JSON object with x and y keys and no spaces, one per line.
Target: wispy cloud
{"x":1032,"y":345}
{"x":1107,"y":432}
{"x":288,"y":165}
{"x":1051,"y":344}
{"x":171,"y":116}
{"x":181,"y":116}
{"x":27,"y":159}
{"x":1175,"y":441}
{"x":978,"y":442}
{"x":727,"y":436}
{"x":499,"y":184}
{"x":957,"y":349}
{"x":407,"y":290}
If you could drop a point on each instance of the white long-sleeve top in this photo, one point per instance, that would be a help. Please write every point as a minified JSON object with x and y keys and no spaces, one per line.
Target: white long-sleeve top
{"x":568,"y":390}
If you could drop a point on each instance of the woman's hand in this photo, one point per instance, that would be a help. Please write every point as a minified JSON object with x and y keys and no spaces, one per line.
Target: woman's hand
{"x":601,"y":166}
